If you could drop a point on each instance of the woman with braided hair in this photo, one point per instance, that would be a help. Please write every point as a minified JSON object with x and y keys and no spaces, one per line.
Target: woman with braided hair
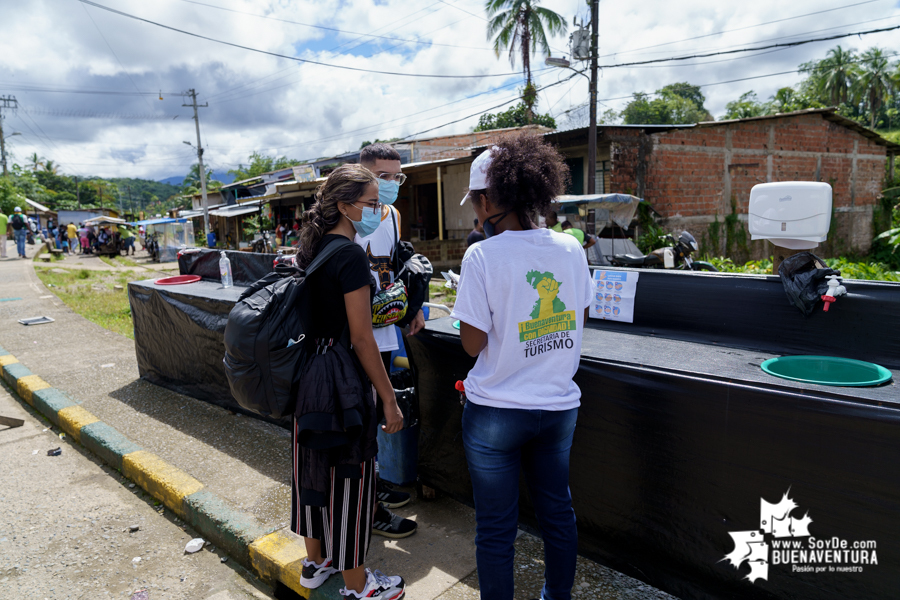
{"x":334,"y":427}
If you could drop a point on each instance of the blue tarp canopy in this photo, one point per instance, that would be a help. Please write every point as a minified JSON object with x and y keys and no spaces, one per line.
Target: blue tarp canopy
{"x":158,"y":221}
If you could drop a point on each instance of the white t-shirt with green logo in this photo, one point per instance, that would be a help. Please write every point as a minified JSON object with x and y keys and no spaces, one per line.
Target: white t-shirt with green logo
{"x":527,"y":290}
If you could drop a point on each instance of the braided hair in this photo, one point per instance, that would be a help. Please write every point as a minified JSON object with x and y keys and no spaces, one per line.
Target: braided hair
{"x":346,"y":184}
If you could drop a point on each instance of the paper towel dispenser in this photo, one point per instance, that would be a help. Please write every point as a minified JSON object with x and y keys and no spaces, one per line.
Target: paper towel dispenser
{"x":791,"y":214}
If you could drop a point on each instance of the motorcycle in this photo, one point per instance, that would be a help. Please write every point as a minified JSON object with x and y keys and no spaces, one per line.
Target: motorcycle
{"x":152,"y":246}
{"x":675,"y":256}
{"x":263,"y":245}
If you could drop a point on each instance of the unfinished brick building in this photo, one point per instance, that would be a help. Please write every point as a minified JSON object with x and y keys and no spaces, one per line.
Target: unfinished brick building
{"x":699,"y":177}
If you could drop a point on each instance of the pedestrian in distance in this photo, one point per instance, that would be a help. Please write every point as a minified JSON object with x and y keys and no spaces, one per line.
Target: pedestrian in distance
{"x":553,"y":222}
{"x":334,"y":438}
{"x":522,"y":302}
{"x":18,"y":224}
{"x":4,"y":230}
{"x":476,"y":235}
{"x":380,"y":238}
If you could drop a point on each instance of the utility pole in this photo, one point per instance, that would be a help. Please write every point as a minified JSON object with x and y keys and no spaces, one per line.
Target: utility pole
{"x":5,"y":102}
{"x":193,"y":94}
{"x":592,"y":129}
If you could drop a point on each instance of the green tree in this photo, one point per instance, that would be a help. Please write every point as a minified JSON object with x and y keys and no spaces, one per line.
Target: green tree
{"x":259,"y":164}
{"x":35,"y":161}
{"x":10,"y":196}
{"x":745,"y":107}
{"x":191,"y":183}
{"x":875,"y":81}
{"x":513,"y":117}
{"x":107,"y":193}
{"x":669,"y":107}
{"x":687,"y":91}
{"x":833,"y":77}
{"x":522,"y":25}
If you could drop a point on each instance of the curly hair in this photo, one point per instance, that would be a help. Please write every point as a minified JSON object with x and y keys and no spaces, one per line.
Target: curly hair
{"x":344,"y":185}
{"x":525,"y":175}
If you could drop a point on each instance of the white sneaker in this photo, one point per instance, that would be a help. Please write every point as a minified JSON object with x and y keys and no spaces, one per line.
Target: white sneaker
{"x":379,"y":586}
{"x":314,"y":575}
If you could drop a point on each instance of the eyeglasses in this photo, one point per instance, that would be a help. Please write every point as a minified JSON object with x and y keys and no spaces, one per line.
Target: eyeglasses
{"x":375,"y":208}
{"x":398,"y":177}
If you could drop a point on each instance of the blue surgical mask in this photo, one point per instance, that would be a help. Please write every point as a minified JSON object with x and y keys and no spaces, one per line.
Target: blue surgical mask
{"x":368,"y":223}
{"x":387,"y":191}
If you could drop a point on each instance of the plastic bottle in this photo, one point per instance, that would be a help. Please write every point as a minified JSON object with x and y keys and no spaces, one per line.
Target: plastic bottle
{"x":225,"y":271}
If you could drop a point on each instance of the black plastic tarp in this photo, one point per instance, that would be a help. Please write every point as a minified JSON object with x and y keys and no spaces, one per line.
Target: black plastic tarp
{"x":681,"y":435}
{"x":246,"y":267}
{"x":179,"y":337}
{"x":667,"y":461}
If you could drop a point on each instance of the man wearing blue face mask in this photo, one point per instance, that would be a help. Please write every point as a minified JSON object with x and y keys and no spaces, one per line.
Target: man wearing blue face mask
{"x":379,"y":237}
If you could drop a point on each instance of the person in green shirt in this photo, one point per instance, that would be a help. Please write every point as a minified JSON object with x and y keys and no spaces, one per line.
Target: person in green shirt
{"x":4,"y":225}
{"x":573,"y":231}
{"x":553,"y":222}
{"x":127,"y":239}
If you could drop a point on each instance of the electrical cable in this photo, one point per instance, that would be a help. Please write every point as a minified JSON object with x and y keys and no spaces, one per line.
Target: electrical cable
{"x":786,"y":45}
{"x":739,"y":29}
{"x":293,"y":58}
{"x":334,"y":29}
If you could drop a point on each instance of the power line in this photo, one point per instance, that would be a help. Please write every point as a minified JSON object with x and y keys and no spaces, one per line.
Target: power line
{"x":785,"y":45}
{"x":740,"y":28}
{"x":94,"y":115}
{"x":334,"y":29}
{"x":293,"y":58}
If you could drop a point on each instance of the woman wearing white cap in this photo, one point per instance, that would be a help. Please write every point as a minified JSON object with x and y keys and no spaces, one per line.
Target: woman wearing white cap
{"x":522,"y":303}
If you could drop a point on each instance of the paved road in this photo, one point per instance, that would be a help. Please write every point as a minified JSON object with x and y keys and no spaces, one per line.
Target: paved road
{"x":64,"y":528}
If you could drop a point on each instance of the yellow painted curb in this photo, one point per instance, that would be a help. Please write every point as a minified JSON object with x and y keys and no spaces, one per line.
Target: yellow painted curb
{"x":26,"y":386}
{"x":73,"y":418}
{"x":7,"y":359}
{"x":164,"y":482}
{"x":277,"y":556}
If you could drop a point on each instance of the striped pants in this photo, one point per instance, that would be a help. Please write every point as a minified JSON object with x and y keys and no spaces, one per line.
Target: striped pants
{"x":344,"y":526}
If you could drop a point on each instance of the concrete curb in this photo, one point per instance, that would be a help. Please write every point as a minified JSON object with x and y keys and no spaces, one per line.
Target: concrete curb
{"x":274,"y":555}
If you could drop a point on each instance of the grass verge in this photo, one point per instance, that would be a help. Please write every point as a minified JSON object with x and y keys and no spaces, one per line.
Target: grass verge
{"x":118,"y":261}
{"x":439,"y":294}
{"x":92,"y":294}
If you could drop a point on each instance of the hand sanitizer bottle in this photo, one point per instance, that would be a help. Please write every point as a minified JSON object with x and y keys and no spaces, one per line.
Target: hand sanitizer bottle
{"x":225,"y":271}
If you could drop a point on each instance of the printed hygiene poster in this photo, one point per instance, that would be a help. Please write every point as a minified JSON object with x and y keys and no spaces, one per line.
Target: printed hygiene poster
{"x":614,"y":293}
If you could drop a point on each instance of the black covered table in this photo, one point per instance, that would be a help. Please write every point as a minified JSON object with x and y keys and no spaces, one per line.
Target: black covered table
{"x":680,"y":437}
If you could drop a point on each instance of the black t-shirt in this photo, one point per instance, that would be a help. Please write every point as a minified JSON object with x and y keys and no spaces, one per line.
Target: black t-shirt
{"x":475,"y":236}
{"x":345,"y":272}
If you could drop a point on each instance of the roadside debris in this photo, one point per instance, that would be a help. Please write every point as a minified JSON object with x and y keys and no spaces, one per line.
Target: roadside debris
{"x":54,"y":452}
{"x":36,"y":320}
{"x":195,"y":545}
{"x":141,"y":595}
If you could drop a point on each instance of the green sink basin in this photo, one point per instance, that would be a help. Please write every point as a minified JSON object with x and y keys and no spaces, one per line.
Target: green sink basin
{"x":827,"y":370}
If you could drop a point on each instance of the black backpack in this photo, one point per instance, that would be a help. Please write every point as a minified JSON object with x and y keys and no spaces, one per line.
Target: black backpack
{"x":262,"y":369}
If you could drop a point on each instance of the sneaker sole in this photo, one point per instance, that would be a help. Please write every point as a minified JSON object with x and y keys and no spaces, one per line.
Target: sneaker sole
{"x":394,"y":504}
{"x":312,"y":584}
{"x":393,"y":536}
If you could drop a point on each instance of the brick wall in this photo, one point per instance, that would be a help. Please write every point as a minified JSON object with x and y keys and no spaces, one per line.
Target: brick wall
{"x":457,"y":146}
{"x":694,"y":175}
{"x":442,"y":253}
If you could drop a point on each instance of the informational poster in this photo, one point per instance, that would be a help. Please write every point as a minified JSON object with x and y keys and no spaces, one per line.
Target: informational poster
{"x":614,"y":293}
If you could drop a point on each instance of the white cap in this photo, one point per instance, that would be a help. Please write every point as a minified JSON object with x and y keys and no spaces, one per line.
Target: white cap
{"x":17,"y":209}
{"x":478,"y":172}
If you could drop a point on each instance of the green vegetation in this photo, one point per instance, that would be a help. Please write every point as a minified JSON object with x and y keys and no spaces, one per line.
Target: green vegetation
{"x":439,"y":294}
{"x":522,"y":25}
{"x":259,"y":164}
{"x":868,"y":270}
{"x":92,"y":295}
{"x":514,"y":117}
{"x":675,"y":103}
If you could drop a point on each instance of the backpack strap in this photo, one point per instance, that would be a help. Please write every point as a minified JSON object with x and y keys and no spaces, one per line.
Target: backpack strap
{"x":323,"y":256}
{"x":329,"y":251}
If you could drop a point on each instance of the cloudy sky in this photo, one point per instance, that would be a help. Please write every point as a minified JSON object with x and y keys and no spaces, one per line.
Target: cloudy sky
{"x":57,"y":53}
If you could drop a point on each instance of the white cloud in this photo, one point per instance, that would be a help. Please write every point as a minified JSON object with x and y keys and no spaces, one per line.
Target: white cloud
{"x":276,"y":106}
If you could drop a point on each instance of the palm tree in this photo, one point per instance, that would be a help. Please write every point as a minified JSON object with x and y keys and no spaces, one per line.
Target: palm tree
{"x":51,"y":167}
{"x":35,"y":161}
{"x":837,"y":74}
{"x":876,"y":81}
{"x":522,"y":25}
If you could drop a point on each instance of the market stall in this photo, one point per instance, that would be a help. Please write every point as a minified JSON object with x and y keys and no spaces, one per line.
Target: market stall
{"x":164,"y":237}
